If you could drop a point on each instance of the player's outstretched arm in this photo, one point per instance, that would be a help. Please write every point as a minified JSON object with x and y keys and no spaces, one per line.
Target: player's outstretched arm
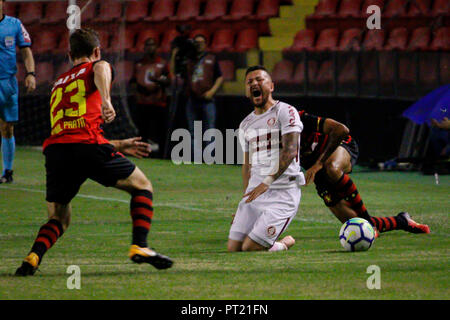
{"x":336,"y":132}
{"x":132,"y":147}
{"x":287,"y":154}
{"x":102,"y":79}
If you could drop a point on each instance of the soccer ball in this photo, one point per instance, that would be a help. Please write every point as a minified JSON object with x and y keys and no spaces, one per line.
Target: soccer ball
{"x":356,"y":235}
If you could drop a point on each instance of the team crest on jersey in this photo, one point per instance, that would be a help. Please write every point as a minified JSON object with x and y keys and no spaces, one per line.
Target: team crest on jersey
{"x":271,"y":231}
{"x":271,"y":122}
{"x":9,"y":41}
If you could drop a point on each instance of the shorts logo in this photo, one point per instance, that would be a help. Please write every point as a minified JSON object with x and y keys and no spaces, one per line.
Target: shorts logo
{"x":9,"y":42}
{"x":271,"y":122}
{"x":271,"y":231}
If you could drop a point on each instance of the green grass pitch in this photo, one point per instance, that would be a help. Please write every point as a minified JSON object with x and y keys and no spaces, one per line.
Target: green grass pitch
{"x":193,"y":208}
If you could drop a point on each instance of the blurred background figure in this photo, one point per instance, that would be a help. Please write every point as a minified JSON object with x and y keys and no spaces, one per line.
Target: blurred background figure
{"x":12,"y":34}
{"x":148,"y":85}
{"x":204,"y":79}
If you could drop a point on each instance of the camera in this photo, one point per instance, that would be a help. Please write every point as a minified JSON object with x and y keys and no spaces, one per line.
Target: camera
{"x":186,"y":49}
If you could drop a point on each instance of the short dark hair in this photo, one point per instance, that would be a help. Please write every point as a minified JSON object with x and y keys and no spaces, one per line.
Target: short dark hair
{"x":83,"y":42}
{"x":254,"y":68}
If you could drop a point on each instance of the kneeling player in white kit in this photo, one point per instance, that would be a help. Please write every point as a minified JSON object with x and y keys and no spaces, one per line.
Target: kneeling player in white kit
{"x":270,"y":137}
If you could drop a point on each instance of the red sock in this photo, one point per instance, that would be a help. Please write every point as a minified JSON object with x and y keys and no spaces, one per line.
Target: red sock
{"x":141,"y":207}
{"x":347,"y":189}
{"x":47,"y":236}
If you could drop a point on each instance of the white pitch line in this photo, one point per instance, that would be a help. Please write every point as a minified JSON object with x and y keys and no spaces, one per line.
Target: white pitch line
{"x":86,"y":196}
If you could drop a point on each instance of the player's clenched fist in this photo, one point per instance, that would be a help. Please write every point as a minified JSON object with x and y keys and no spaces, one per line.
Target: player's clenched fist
{"x":108,"y":112}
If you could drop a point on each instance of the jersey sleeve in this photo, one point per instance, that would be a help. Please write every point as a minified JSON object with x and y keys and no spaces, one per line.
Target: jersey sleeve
{"x":23,"y":38}
{"x":242,"y":141}
{"x":289,"y":120}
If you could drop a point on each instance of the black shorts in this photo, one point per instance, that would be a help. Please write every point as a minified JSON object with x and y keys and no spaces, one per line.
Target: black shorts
{"x":352,"y":149}
{"x":69,"y":165}
{"x":324,"y":188}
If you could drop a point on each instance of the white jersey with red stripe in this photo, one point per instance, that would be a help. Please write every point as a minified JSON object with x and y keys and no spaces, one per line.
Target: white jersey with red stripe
{"x":260,"y":136}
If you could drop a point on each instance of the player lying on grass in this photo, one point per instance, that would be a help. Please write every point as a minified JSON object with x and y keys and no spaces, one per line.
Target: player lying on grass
{"x":270,"y":137}
{"x":328,"y":153}
{"x":76,"y":150}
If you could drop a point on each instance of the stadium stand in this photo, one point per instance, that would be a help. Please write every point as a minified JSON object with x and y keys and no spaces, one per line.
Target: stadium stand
{"x":395,"y":8}
{"x":88,"y":10}
{"x":299,"y":77}
{"x":304,"y":40}
{"x":228,"y":69}
{"x":283,"y":72}
{"x":419,"y":8}
{"x":167,"y":39}
{"x":240,"y":9}
{"x":349,"y":8}
{"x":223,"y":40}
{"x":136,"y":10}
{"x":267,"y":9}
{"x":30,"y":12}
{"x":214,"y":9}
{"x":9,"y":8}
{"x":109,"y":11}
{"x":374,"y":40}
{"x":325,"y":8}
{"x":441,"y":39}
{"x":161,"y":10}
{"x":55,"y":12}
{"x":398,"y":39}
{"x":246,"y":39}
{"x":45,"y":41}
{"x":187,"y":10}
{"x":440,"y":8}
{"x":142,"y":37}
{"x":420,"y":39}
{"x":44,"y":74}
{"x":350,"y":39}
{"x":327,"y":40}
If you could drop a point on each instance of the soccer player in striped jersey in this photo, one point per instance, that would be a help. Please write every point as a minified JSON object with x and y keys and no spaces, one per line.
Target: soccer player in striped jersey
{"x":77,"y":150}
{"x":328,"y":153}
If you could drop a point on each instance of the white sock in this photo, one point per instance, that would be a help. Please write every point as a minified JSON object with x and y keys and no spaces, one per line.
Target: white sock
{"x":278,"y":246}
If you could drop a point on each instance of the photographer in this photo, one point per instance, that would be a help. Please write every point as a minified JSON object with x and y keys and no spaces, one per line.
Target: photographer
{"x":204,"y":78}
{"x":150,"y":80}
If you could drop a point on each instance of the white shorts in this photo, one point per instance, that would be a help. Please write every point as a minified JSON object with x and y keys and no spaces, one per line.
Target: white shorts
{"x":265,"y":218}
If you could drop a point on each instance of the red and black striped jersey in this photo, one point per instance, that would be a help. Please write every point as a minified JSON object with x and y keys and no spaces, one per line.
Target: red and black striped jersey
{"x":75,"y":108}
{"x":313,"y":140}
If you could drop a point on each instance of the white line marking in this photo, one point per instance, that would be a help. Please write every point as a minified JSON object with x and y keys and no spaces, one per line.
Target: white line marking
{"x":86,"y":196}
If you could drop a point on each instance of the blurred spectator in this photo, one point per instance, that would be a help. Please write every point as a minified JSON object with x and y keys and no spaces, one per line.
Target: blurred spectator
{"x":204,"y":78}
{"x":148,"y":85}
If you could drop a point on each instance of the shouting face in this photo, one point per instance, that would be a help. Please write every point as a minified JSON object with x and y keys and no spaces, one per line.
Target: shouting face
{"x":258,"y":87}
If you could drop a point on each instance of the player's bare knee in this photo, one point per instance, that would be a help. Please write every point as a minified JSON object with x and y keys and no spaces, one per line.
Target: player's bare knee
{"x":333,"y":170}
